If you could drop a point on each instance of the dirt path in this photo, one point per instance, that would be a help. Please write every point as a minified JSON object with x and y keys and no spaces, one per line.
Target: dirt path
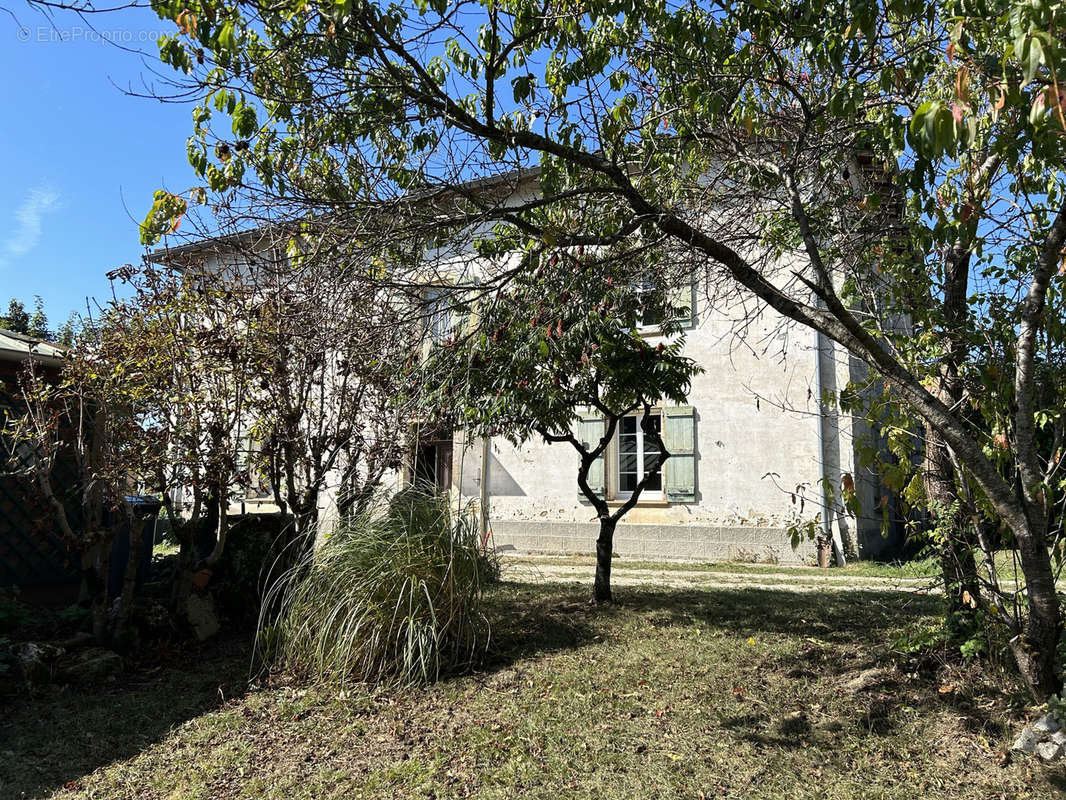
{"x":527,"y":570}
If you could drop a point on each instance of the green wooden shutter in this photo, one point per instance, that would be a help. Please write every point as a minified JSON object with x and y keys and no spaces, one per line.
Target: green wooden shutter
{"x":590,"y":430}
{"x":682,"y":301}
{"x":679,"y":436}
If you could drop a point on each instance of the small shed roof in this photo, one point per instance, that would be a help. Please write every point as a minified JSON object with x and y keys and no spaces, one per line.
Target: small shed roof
{"x":20,"y":347}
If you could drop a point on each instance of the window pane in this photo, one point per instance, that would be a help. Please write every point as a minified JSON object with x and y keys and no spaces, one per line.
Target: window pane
{"x":632,"y":443}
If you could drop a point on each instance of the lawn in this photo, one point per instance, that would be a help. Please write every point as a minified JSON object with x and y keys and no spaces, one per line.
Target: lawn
{"x":920,"y":570}
{"x":725,"y":693}
{"x":917,"y":571}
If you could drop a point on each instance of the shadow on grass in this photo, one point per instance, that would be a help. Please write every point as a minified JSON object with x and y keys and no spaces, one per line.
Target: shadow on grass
{"x":533,"y":619}
{"x":837,"y":617}
{"x":53,"y":739}
{"x":529,"y":621}
{"x":843,"y":617}
{"x":843,"y":633}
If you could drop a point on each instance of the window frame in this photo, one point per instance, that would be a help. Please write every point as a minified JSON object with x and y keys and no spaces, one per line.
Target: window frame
{"x":440,"y":318}
{"x":649,"y":495}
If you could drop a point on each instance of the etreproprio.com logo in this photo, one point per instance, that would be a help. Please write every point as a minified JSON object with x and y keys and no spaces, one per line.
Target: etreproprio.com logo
{"x":77,"y":33}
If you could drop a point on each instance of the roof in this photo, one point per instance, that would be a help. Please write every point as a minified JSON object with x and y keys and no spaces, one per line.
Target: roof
{"x":20,"y":347}
{"x":229,"y":240}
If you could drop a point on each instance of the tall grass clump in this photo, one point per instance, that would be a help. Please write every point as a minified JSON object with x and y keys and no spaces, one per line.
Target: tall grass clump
{"x":394,"y":594}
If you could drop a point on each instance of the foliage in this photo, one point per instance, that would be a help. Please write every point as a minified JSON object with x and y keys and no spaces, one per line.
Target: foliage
{"x":393,"y":594}
{"x":21,"y":321}
{"x":254,"y":557}
{"x":16,"y":319}
{"x":563,"y":336}
{"x":89,"y":417}
{"x":13,"y":614}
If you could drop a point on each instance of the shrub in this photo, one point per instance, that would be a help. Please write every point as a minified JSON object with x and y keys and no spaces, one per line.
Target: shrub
{"x":258,"y":546}
{"x":393,"y":594}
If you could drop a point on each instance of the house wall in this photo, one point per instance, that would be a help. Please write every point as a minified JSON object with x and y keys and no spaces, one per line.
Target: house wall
{"x":757,"y":434}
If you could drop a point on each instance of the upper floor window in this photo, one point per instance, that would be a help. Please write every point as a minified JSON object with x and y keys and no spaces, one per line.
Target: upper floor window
{"x":654,"y":309}
{"x":438,"y":315}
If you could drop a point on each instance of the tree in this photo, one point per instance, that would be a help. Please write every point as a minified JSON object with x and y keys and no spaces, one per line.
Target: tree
{"x":92,"y":417}
{"x":21,"y":321}
{"x":69,"y":330}
{"x":325,"y":344}
{"x":788,"y":150}
{"x":16,"y":319}
{"x":558,"y":354}
{"x":37,"y":326}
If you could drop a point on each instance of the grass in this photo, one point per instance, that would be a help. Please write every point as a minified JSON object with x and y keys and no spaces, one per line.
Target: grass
{"x":729,"y":693}
{"x":919,"y":569}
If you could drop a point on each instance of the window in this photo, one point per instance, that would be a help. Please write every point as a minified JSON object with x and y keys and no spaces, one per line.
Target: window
{"x":637,"y":456}
{"x":676,"y":306}
{"x":632,"y":455}
{"x":438,"y":316}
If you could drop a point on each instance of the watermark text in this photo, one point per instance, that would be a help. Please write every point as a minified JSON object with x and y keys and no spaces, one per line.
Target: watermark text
{"x":47,"y":34}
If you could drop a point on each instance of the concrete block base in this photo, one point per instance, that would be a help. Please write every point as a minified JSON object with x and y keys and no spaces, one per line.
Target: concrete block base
{"x":691,"y":542}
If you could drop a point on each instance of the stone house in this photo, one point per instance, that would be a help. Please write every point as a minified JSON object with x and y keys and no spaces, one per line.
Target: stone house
{"x":749,"y":450}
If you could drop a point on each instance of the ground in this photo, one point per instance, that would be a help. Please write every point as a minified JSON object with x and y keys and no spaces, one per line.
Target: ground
{"x":713,"y":691}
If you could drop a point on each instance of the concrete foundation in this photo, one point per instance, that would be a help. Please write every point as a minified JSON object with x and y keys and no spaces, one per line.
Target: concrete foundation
{"x":689,"y":542}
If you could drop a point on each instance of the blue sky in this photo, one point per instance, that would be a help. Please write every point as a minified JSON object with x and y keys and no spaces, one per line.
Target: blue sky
{"x":80,"y":158}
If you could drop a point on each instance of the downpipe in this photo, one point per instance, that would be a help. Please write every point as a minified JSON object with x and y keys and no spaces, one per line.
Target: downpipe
{"x":828,"y":530}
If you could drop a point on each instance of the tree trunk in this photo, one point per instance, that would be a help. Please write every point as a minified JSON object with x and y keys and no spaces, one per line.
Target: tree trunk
{"x":97,"y":561}
{"x":1036,"y":649}
{"x":601,"y":587}
{"x":958,"y":568}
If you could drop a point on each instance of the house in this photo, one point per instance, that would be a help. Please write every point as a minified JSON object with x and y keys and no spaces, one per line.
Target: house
{"x":753,"y":450}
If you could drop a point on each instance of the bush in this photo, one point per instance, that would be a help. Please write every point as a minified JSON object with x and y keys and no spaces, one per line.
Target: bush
{"x":259,"y":547}
{"x":394,"y":594}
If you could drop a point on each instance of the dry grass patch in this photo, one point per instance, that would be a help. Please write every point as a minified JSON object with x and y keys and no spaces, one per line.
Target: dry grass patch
{"x":731,"y":693}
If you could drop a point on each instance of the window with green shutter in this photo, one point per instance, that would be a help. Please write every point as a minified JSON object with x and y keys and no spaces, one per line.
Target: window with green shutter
{"x":679,"y":436}
{"x":590,"y":430}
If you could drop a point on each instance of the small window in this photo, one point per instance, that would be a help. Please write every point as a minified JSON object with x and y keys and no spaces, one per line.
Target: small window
{"x":438,"y":316}
{"x":637,"y":456}
{"x":654,"y":309}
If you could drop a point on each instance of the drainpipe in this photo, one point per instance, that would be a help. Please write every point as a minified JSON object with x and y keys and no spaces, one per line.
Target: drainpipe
{"x":827,"y":523}
{"x":484,"y":504}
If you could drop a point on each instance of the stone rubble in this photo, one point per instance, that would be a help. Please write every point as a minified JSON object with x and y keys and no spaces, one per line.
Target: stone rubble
{"x":1045,"y":738}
